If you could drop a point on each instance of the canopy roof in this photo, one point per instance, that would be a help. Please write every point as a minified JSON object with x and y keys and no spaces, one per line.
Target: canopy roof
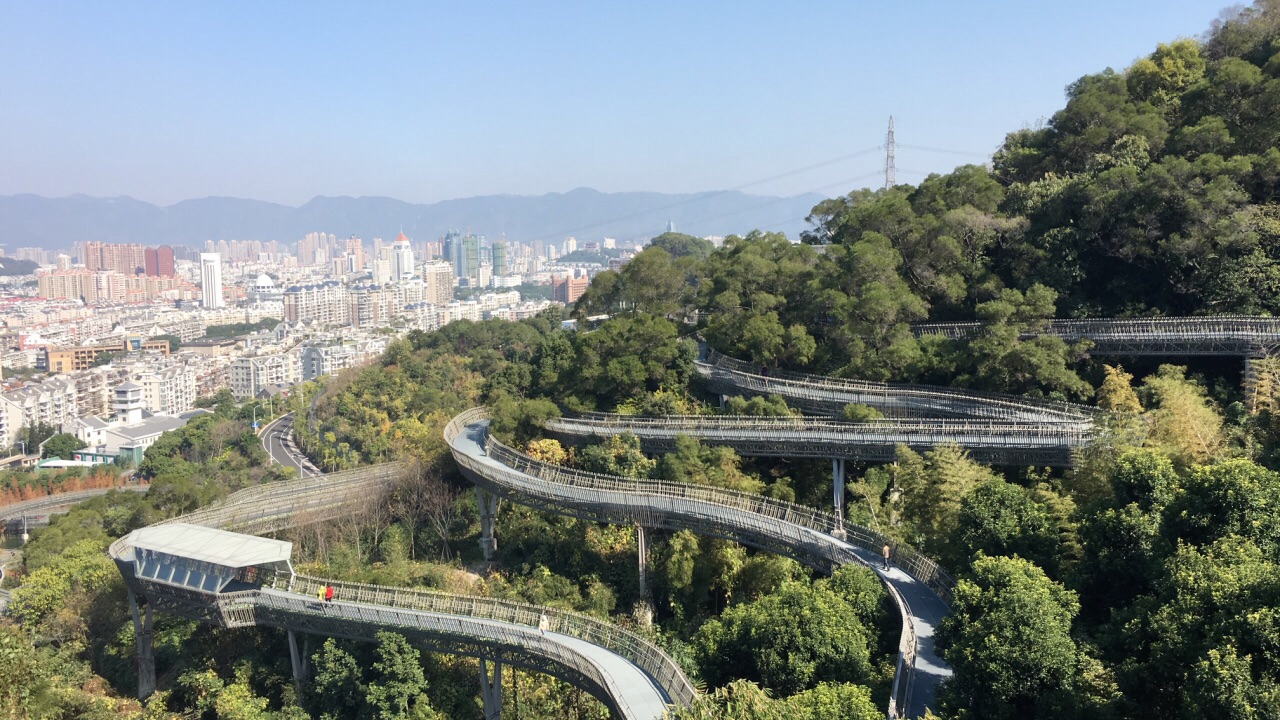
{"x":210,"y":545}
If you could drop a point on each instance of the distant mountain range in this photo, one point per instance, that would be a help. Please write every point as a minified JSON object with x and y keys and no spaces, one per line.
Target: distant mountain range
{"x":35,"y":221}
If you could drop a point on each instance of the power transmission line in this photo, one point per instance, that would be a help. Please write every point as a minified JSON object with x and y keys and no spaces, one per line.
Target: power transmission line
{"x":944,"y":150}
{"x":785,"y":199}
{"x":717,"y":193}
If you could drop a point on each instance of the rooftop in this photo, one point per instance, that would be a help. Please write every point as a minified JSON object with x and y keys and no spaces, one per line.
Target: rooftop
{"x":210,"y":545}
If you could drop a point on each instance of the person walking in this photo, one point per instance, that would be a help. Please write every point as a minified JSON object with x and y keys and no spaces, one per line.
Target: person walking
{"x":320,"y":594}
{"x":884,"y":552}
{"x":543,"y":623}
{"x":328,"y":593}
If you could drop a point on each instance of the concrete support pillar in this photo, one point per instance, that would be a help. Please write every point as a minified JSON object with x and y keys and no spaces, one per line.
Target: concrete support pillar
{"x":299,"y":660}
{"x":837,"y":495}
{"x":642,"y":546}
{"x":142,"y":638}
{"x":491,"y":689}
{"x":722,"y":402}
{"x":488,"y":504}
{"x":644,"y":608}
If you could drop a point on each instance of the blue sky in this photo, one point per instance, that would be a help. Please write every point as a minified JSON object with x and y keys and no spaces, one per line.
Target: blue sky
{"x":429,"y":101}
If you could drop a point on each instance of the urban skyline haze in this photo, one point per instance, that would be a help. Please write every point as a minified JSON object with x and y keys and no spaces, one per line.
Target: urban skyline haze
{"x":281,"y":103}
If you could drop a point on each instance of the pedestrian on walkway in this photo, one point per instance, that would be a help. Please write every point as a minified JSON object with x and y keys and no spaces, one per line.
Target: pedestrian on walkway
{"x":328,"y":593}
{"x":543,"y":623}
{"x":884,"y":552}
{"x":320,"y":593}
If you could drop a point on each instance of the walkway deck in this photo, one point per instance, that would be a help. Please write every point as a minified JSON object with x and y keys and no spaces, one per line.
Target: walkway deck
{"x":630,"y":675}
{"x":796,"y":531}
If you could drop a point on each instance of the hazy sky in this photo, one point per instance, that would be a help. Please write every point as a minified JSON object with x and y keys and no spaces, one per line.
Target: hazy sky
{"x":428,"y":101}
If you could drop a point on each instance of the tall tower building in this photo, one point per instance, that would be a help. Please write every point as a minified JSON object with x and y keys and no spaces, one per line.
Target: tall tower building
{"x":164,"y":257}
{"x":471,"y":249}
{"x":454,"y":254}
{"x":401,"y":259}
{"x":355,"y":251}
{"x":211,"y":280}
{"x":500,"y":257}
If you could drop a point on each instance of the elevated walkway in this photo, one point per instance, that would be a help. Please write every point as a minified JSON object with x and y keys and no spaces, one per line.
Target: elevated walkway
{"x":1245,"y":336}
{"x":229,"y":579}
{"x":827,"y":395}
{"x":994,"y":442}
{"x":817,"y":539}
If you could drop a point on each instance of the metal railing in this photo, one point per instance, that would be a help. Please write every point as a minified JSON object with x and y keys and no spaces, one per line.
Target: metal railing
{"x":831,"y":394}
{"x":635,"y":648}
{"x":49,"y":502}
{"x":801,"y":531}
{"x":276,"y":506}
{"x":988,"y":440}
{"x":1208,"y":335}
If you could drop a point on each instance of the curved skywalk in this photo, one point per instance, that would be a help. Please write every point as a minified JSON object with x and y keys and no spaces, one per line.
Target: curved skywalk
{"x":630,"y":675}
{"x":994,"y":442}
{"x":1244,"y":335}
{"x":917,"y":584}
{"x":828,"y":395}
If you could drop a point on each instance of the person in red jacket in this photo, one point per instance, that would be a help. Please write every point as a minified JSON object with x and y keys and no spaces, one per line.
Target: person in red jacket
{"x":328,"y":593}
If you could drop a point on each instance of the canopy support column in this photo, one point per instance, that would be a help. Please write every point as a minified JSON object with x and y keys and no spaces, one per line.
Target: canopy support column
{"x":491,"y":689}
{"x":488,"y":504}
{"x":837,"y":495}
{"x":300,"y":661}
{"x":142,"y":639}
{"x":643,"y":608}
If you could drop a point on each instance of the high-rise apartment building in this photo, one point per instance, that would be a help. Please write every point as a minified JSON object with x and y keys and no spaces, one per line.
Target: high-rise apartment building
{"x":567,"y":290}
{"x":211,"y":281}
{"x":438,"y":277}
{"x":355,"y":253}
{"x":159,"y":261}
{"x":126,"y":259}
{"x":471,"y":252}
{"x":570,"y":245}
{"x":499,"y":257}
{"x":325,"y":304}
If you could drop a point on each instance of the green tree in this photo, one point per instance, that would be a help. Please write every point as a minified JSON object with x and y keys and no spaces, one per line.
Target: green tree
{"x":1183,"y":423}
{"x":758,"y":406}
{"x":1008,"y":639}
{"x":693,"y":462}
{"x":790,"y":640}
{"x":617,"y":455}
{"x":998,"y":518}
{"x":932,"y":487}
{"x":1166,"y":74}
{"x":61,"y":446}
{"x":338,"y":689}
{"x":24,"y":680}
{"x":680,"y":245}
{"x":174,"y":341}
{"x":398,"y":686}
{"x":1116,"y":393}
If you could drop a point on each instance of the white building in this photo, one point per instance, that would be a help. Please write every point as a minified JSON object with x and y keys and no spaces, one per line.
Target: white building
{"x":131,"y":429}
{"x":325,"y":304}
{"x":401,"y":259}
{"x":171,"y":390}
{"x":250,"y":374}
{"x":211,"y":280}
{"x":50,"y":402}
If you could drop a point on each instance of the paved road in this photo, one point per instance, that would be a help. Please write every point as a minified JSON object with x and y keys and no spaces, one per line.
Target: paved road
{"x":277,"y":440}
